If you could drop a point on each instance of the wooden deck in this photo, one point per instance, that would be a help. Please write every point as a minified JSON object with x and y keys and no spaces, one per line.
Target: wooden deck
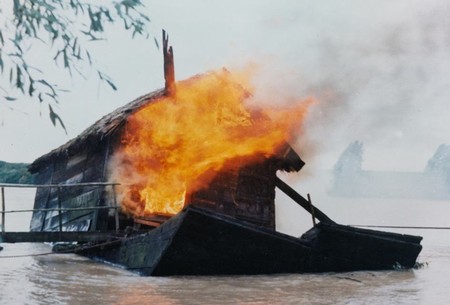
{"x":40,"y":237}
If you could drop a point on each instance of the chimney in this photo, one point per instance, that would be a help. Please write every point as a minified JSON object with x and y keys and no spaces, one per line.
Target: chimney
{"x":169,"y":68}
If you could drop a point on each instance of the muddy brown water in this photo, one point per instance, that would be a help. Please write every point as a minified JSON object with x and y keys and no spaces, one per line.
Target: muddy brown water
{"x":70,"y":279}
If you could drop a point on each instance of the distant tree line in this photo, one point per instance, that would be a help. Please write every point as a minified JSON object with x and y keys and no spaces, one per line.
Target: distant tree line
{"x":15,"y":173}
{"x":347,"y":171}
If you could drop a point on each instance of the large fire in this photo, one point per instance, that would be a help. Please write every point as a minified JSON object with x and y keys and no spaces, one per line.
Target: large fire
{"x":172,"y":142}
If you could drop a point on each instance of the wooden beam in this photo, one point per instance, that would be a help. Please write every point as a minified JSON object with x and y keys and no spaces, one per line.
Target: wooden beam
{"x":152,"y":220}
{"x":313,"y":214}
{"x":40,"y":237}
{"x":150,"y":223}
{"x":302,"y":201}
{"x":62,"y":209}
{"x":15,"y":185}
{"x":169,"y":67}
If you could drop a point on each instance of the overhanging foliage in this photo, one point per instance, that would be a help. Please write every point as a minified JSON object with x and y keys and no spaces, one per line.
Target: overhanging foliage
{"x":65,"y":25}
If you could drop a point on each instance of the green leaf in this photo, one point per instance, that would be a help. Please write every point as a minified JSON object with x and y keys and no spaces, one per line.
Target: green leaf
{"x":57,"y":55}
{"x":144,"y":17}
{"x":19,"y":82}
{"x":17,"y":6}
{"x":108,"y":15}
{"x":74,"y":45}
{"x":106,"y":78}
{"x":10,"y":98}
{"x":66,"y":59}
{"x":111,"y":84}
{"x":89,"y":57}
{"x":54,"y":117}
{"x":44,"y":82}
{"x":31,"y":88}
{"x":49,"y":86}
{"x":60,"y":24}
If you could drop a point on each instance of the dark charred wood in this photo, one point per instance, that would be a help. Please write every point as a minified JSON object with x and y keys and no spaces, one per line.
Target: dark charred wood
{"x":345,"y":248}
{"x":243,"y":191}
{"x":201,"y":242}
{"x":169,"y":67}
{"x":40,"y":237}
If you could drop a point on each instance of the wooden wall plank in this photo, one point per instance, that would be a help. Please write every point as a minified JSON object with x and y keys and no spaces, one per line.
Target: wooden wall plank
{"x":244,"y":192}
{"x":41,"y":198}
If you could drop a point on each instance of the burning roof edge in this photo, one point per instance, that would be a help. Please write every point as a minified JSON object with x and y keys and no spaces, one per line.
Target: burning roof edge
{"x":286,"y":158}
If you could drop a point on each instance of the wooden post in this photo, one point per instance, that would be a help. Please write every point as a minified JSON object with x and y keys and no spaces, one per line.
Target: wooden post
{"x":3,"y":209}
{"x":312,"y":210}
{"x":169,"y":67}
{"x":321,"y":216}
{"x":59,"y":209}
{"x":116,"y":211}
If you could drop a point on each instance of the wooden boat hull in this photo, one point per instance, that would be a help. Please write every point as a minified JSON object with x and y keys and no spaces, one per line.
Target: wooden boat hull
{"x":343,"y":248}
{"x":201,"y":242}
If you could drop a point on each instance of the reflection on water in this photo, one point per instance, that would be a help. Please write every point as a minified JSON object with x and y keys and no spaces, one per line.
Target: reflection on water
{"x":71,"y":279}
{"x":281,"y":289}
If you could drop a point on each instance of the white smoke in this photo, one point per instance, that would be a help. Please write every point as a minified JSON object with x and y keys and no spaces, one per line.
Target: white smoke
{"x":380,"y":72}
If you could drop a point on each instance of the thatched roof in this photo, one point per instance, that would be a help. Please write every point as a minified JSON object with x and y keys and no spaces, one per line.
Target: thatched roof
{"x":287,"y":159}
{"x":99,"y":131}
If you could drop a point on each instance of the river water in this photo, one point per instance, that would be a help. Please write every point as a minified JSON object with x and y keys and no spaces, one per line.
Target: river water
{"x":26,"y":277}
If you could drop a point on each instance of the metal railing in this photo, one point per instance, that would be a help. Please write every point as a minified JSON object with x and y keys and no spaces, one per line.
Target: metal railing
{"x":60,"y":209}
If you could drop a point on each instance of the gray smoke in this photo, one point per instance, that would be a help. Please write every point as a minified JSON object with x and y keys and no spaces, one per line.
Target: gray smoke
{"x":380,"y":71}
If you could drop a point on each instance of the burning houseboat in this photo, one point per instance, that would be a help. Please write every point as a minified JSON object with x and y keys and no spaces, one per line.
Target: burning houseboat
{"x":196,"y":177}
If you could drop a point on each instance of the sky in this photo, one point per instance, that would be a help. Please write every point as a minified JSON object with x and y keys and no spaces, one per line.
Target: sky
{"x":379,"y":70}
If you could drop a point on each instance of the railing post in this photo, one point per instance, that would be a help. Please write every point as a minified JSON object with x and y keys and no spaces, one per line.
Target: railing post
{"x":3,"y":209}
{"x":59,"y":209}
{"x":116,"y":209}
{"x":60,"y":188}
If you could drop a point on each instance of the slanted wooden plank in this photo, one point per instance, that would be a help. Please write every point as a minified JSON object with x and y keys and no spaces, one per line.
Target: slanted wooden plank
{"x":147,"y":222}
{"x":302,"y":201}
{"x":152,"y":220}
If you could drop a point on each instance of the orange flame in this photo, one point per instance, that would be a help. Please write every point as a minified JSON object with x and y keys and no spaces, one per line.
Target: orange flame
{"x":172,"y":142}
